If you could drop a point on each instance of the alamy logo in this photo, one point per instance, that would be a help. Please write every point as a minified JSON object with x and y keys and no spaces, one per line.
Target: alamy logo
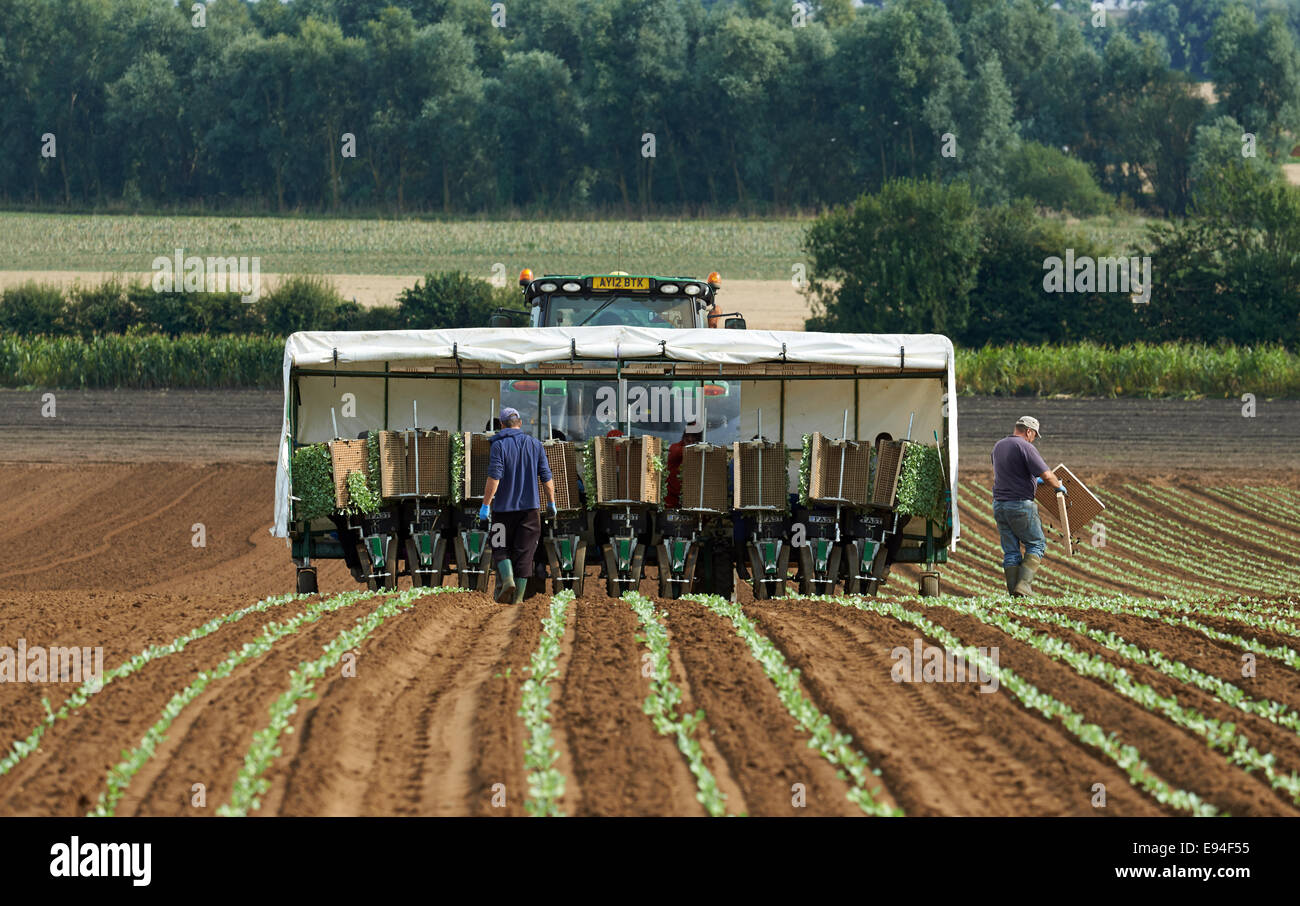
{"x":38,"y":664}
{"x":102,"y":860}
{"x":641,"y":404}
{"x":932,"y":664}
{"x":1086,"y":274}
{"x":196,"y":274}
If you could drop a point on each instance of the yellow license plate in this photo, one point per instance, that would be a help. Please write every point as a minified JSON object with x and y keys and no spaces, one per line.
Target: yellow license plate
{"x":641,"y":284}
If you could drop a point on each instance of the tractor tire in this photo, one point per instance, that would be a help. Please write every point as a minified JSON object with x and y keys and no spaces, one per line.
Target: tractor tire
{"x":307,"y":581}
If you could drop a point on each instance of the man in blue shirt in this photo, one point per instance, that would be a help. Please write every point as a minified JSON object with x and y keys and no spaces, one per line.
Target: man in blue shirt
{"x":1017,"y":470}
{"x":515,"y":463}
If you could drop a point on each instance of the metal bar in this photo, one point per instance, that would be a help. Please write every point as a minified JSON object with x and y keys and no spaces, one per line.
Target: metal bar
{"x":589,"y":375}
{"x":780,"y":415}
{"x":857,"y":412}
{"x":844,"y":448}
{"x":385,"y":396}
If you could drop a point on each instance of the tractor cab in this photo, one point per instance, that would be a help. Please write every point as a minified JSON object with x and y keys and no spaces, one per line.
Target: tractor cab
{"x":579,"y":410}
{"x":603,"y":300}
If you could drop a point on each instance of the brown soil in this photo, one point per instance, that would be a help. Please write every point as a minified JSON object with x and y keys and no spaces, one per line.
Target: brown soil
{"x":427,"y":726}
{"x":765,"y":750}
{"x":1179,"y":757}
{"x":102,"y":555}
{"x":620,"y":762}
{"x":942,"y":748}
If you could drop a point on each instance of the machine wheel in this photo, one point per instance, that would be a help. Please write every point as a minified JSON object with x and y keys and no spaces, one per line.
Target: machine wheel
{"x":307,"y":581}
{"x":929,"y":585}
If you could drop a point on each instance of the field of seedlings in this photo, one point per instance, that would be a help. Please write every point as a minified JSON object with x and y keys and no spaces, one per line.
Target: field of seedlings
{"x":1157,"y":674}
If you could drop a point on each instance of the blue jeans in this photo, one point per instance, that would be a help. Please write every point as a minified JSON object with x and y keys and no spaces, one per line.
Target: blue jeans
{"x":1018,"y":524}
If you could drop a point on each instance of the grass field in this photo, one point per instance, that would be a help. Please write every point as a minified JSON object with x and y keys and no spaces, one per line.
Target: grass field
{"x":739,"y":249}
{"x":754,"y":249}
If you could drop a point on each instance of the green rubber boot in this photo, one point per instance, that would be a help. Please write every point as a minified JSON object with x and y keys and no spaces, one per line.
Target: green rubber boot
{"x":505,"y":582}
{"x":521,"y":589}
{"x":1013,"y":576}
{"x":1024,"y":585}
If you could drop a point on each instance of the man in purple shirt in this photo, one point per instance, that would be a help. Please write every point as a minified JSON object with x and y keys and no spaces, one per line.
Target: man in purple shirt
{"x":1017,"y":470}
{"x":515,"y":463}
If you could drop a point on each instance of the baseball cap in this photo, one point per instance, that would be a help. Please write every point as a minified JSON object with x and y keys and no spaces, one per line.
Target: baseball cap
{"x":1028,"y":421}
{"x":508,"y":413}
{"x":695,"y":427}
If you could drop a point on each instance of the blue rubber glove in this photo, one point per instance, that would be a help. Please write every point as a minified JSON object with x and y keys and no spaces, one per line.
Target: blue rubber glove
{"x":550,"y":509}
{"x":484,"y":512}
{"x":1038,"y":480}
{"x":1062,"y":490}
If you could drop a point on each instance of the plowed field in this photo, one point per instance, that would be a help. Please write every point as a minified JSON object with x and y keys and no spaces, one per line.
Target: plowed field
{"x":1157,"y":674}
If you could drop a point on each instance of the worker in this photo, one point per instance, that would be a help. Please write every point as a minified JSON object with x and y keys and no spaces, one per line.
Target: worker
{"x":515,"y":463}
{"x":693,"y":433}
{"x":1017,"y":466}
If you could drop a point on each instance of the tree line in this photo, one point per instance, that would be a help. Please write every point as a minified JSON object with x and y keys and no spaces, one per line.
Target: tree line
{"x":921,"y":256}
{"x":466,"y":106}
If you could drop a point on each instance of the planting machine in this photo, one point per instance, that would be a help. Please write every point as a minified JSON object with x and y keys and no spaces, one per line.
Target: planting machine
{"x":611,"y":398}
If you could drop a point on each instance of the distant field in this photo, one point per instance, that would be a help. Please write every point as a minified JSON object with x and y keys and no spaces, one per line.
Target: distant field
{"x":739,"y":249}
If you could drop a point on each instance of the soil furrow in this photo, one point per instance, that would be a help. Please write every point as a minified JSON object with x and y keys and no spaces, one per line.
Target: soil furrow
{"x":1178,"y":756}
{"x":942,"y":748}
{"x":221,"y":722}
{"x":621,"y":764}
{"x":765,"y":750}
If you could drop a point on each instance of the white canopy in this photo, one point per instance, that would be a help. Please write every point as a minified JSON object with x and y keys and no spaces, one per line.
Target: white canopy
{"x":533,"y":345}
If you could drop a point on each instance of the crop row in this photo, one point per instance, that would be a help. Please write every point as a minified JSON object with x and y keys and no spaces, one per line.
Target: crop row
{"x":1106,"y":564}
{"x":1122,"y":531}
{"x":1125,"y":756}
{"x":833,"y":745}
{"x":1200,"y":553}
{"x":21,"y":748}
{"x":545,"y":783}
{"x":662,"y":701}
{"x":1224,"y":691}
{"x":1234,"y":523}
{"x":1278,"y":504}
{"x":1193,"y":516}
{"x":119,"y":776}
{"x":249,"y":784}
{"x":1219,"y":735}
{"x":1144,"y":609}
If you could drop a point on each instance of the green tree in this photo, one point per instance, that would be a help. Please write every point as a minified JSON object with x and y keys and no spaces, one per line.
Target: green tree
{"x":987,"y":134}
{"x":1053,"y":179}
{"x":1184,"y":25}
{"x":1256,"y":70}
{"x":902,"y":260}
{"x":446,"y":300}
{"x":1216,"y":151}
{"x":539,"y":121}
